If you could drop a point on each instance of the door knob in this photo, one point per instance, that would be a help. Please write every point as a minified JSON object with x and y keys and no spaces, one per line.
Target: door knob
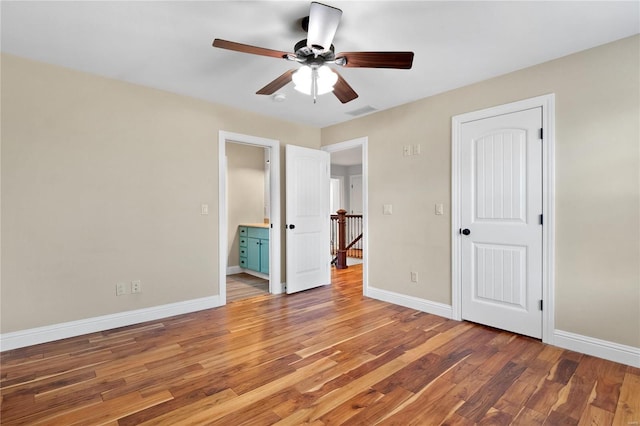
{"x":292,"y":227}
{"x":465,"y":231}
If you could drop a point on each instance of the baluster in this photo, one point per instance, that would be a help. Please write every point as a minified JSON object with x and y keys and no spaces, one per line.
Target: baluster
{"x":341,"y":262}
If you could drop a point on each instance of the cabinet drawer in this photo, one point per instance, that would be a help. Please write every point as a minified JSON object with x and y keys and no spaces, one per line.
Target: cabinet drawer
{"x":243,"y":252}
{"x":243,"y":241}
{"x":243,"y":231}
{"x":243,"y":262}
{"x":262,"y":233}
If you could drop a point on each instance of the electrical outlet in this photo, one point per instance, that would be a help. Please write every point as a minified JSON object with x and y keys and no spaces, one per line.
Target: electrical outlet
{"x":136,"y":286}
{"x":414,"y":277}
{"x":121,"y":289}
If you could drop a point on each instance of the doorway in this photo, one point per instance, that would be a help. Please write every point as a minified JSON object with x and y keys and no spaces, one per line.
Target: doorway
{"x":349,"y":160}
{"x":269,"y":149}
{"x":248,"y":170}
{"x":502,"y":217}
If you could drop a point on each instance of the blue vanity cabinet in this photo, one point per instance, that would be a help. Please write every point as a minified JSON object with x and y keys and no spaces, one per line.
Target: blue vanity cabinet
{"x":243,"y":247}
{"x":254,"y":254}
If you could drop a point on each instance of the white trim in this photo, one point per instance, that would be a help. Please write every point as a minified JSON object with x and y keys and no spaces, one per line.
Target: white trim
{"x":547,"y":103}
{"x":279,"y":288}
{"x":34,"y":336}
{"x":412,"y":302}
{"x":275,"y":252}
{"x":362,"y":142}
{"x":616,"y":352}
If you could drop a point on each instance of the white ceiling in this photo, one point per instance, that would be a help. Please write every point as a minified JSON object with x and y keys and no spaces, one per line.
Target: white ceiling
{"x":167,"y":45}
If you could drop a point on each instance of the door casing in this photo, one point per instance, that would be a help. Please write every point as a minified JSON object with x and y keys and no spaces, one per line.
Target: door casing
{"x":547,"y":103}
{"x":275,"y":284}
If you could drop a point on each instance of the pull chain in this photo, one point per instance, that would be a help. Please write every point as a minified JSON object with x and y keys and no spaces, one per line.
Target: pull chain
{"x":314,"y":84}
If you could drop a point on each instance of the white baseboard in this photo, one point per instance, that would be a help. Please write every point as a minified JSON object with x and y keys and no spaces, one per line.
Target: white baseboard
{"x":423,"y":305}
{"x":616,"y":352}
{"x":34,"y":336}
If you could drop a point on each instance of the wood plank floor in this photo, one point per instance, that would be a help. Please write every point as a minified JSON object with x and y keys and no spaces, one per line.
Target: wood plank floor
{"x":323,"y":357}
{"x":243,"y":286}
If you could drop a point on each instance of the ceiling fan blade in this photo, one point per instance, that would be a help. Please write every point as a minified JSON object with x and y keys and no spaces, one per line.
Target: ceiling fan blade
{"x":323,"y":23}
{"x":276,"y":84}
{"x":246,"y":48}
{"x":343,"y":91}
{"x":400,"y":60}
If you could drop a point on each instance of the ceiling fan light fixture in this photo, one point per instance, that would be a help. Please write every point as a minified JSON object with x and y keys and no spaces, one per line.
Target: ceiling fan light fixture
{"x":324,"y":77}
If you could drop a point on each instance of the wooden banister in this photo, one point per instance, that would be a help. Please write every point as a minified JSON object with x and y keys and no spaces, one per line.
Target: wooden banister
{"x":341,"y":256}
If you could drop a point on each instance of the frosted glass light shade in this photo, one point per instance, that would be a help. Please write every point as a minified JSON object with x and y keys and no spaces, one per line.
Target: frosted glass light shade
{"x":303,"y":78}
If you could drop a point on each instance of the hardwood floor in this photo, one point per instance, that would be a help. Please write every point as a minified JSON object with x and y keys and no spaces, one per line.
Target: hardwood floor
{"x":322,"y":357}
{"x":243,"y":286}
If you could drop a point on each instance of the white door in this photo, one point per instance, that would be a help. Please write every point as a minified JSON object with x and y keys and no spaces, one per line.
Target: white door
{"x":355,"y":194}
{"x":307,"y":212}
{"x":501,"y":234}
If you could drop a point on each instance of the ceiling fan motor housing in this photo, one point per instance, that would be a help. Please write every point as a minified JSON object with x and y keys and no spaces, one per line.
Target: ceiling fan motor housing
{"x":305,"y":53}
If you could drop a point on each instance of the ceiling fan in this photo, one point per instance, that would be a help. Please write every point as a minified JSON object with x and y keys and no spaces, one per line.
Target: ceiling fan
{"x":315,"y":52}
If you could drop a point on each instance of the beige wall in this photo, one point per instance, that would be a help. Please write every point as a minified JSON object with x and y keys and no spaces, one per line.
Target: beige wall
{"x":597,"y":186}
{"x":245,"y":191}
{"x":102,"y":182}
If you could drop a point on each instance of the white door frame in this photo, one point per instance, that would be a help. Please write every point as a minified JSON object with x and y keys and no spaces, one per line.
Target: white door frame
{"x":547,"y":103}
{"x":275,"y":285}
{"x":341,"y":146}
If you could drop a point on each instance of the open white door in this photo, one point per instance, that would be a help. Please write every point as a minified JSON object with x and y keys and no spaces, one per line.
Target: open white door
{"x":307,"y":223}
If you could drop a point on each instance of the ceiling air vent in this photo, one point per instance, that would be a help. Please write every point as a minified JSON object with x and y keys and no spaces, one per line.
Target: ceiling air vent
{"x":364,"y":110}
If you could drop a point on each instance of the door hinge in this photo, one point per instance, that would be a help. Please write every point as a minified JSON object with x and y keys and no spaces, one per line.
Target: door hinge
{"x":541,"y":220}
{"x":541,"y":304}
{"x":541,"y":133}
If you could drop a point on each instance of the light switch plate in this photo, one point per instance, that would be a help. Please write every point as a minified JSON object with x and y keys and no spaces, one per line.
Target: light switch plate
{"x":204,"y":209}
{"x":439,"y":209}
{"x":121,"y":289}
{"x":387,"y":209}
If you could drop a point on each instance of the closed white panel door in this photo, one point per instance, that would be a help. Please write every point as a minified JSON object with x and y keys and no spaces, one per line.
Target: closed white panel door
{"x":307,"y":211}
{"x":355,"y":194}
{"x":355,"y":203}
{"x":501,"y":207}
